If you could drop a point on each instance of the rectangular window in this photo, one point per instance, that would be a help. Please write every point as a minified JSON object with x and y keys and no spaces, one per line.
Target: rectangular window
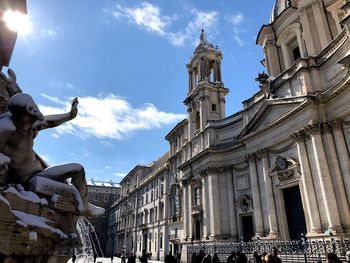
{"x":96,"y":197}
{"x":151,"y":195}
{"x":106,"y":198}
{"x":161,"y":242}
{"x":213,"y":107}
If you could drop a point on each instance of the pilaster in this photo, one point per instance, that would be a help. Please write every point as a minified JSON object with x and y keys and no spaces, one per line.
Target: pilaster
{"x":334,"y":168}
{"x":324,"y":177}
{"x":271,"y":207}
{"x":258,"y":217}
{"x":308,"y":192}
{"x":342,"y":153}
{"x":231,"y":210}
{"x":215,"y":225}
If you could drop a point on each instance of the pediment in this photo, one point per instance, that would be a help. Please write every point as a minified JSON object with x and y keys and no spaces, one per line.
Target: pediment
{"x":269,"y":112}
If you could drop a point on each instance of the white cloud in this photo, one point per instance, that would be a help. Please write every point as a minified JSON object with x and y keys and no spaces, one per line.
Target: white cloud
{"x":237,"y":37}
{"x":237,"y":20}
{"x":109,"y":117}
{"x":51,"y":33}
{"x":120,"y":174}
{"x":202,"y":19}
{"x":149,"y":17}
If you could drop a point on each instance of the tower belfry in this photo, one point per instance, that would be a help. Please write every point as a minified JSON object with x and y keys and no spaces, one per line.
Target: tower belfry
{"x":206,"y":95}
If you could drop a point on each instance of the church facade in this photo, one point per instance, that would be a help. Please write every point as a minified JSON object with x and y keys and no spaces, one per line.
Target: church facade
{"x":277,"y":169}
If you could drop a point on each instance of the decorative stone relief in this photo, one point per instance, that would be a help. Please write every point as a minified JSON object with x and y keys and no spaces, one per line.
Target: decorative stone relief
{"x":284,"y":170}
{"x":242,"y":182}
{"x":244,"y":204}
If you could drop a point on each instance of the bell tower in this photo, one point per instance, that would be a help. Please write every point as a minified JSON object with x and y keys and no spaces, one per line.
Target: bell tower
{"x":206,"y":93}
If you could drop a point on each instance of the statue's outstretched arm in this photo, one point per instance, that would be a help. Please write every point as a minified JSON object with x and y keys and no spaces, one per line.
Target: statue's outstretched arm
{"x":52,"y":121}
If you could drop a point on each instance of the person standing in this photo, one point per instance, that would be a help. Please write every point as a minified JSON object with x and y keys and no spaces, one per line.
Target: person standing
{"x":144,"y":257}
{"x":215,"y":258}
{"x":273,"y":257}
{"x":132,"y":258}
{"x":332,"y":258}
{"x":231,"y":258}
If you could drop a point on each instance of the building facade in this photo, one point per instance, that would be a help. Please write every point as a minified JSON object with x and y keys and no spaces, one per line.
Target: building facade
{"x":102,"y":194}
{"x":280,"y":167}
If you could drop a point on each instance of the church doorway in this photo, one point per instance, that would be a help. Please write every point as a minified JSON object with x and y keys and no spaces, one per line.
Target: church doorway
{"x":294,"y":212}
{"x":248,"y":228}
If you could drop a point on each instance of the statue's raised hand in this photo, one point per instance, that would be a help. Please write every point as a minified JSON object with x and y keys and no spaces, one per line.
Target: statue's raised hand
{"x":74,"y":109}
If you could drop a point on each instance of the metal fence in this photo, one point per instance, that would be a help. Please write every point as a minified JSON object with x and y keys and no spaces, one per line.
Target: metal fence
{"x":305,"y":250}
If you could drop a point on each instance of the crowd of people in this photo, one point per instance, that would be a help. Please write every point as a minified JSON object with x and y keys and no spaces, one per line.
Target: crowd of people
{"x":240,"y":257}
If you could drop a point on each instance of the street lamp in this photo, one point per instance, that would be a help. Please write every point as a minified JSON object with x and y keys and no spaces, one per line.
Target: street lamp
{"x":12,"y":13}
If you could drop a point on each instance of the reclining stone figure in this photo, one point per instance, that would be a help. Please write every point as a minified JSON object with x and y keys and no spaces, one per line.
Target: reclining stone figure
{"x":18,"y":129}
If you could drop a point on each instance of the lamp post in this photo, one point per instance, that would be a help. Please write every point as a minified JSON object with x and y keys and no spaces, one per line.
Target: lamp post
{"x":8,"y":36}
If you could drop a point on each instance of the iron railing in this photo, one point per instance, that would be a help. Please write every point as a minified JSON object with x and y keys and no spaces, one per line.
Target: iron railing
{"x":304,"y":250}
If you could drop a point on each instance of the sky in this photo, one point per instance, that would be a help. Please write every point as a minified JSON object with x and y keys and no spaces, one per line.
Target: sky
{"x":125,"y":60}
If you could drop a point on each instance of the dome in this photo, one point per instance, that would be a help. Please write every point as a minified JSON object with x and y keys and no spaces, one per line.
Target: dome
{"x":278,"y":8}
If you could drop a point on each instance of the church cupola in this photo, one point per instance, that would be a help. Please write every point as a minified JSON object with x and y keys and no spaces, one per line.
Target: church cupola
{"x":206,"y":93}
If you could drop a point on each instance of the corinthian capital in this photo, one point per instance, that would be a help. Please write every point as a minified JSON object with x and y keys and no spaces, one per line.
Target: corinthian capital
{"x":263,"y":153}
{"x":314,"y":128}
{"x":299,"y":136}
{"x":250,"y":157}
{"x":336,"y":124}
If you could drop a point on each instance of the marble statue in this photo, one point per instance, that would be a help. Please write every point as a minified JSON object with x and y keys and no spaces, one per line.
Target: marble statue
{"x":18,"y":129}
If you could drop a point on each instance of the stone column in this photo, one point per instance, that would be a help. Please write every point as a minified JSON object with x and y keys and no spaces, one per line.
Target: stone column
{"x":215,"y":225}
{"x":304,"y":19}
{"x":301,"y":43}
{"x":258,"y":218}
{"x":308,"y":192}
{"x":272,"y":58}
{"x":271,"y":208}
{"x":337,"y":180}
{"x":189,"y":213}
{"x":166,"y":196}
{"x":324,"y":177}
{"x":286,"y":56}
{"x":190,"y":85}
{"x":205,"y":211}
{"x":185,"y":209}
{"x":342,"y":152}
{"x":321,"y":23}
{"x":231,"y":209}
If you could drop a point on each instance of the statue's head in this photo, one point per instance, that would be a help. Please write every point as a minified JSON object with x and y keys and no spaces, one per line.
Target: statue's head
{"x":22,"y":104}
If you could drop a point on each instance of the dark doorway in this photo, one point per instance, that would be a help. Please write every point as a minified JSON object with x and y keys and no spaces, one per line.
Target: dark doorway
{"x":145,"y":242}
{"x":198,"y":229}
{"x":248,"y":228}
{"x":294,"y":212}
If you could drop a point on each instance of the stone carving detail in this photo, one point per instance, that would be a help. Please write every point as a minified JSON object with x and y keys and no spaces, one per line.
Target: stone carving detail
{"x":284,"y":169}
{"x":245,"y":204}
{"x":264,"y":83}
{"x":336,"y":124}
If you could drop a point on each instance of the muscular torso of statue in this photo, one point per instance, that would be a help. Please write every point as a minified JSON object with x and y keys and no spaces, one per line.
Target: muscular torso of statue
{"x":19,"y":147}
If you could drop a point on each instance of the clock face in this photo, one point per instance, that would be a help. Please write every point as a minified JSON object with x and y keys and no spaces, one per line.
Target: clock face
{"x":281,"y":163}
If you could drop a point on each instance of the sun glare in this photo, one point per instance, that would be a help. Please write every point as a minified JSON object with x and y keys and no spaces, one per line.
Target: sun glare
{"x":17,"y":21}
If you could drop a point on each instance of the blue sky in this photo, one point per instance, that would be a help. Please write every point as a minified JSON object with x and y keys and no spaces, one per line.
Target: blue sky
{"x":125,"y":61}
